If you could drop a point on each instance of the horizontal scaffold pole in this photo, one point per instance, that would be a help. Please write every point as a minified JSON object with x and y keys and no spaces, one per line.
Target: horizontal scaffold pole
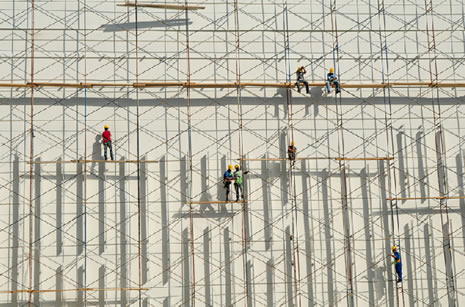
{"x":216,"y":202}
{"x":228,"y":85}
{"x":94,"y":161}
{"x":318,"y":158}
{"x":72,"y":290}
{"x":428,"y":197}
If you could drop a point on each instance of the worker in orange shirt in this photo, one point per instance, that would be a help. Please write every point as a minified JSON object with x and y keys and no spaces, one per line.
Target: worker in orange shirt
{"x":106,"y":139}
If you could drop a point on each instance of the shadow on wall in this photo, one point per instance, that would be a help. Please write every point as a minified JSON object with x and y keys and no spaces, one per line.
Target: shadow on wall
{"x":129,"y":26}
{"x":96,"y":152}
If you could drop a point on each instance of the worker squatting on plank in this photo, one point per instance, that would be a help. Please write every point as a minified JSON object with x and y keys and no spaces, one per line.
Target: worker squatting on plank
{"x":228,"y":178}
{"x":397,"y":262}
{"x":106,"y":138}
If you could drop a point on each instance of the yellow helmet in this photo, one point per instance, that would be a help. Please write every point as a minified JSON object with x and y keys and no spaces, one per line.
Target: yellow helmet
{"x":331,"y":70}
{"x":236,"y":166}
{"x":394,"y":248}
{"x":230,"y":167}
{"x":106,"y":127}
{"x":292,"y":143}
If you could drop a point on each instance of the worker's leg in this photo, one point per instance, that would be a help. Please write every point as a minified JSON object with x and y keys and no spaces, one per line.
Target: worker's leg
{"x":226,"y":185}
{"x":306,"y":86}
{"x":105,"y":150}
{"x":111,"y":150}
{"x":338,"y":89}
{"x":241,"y":188}
{"x":236,"y":187}
{"x":328,"y":87}
{"x":298,"y":85}
{"x":399,"y":272}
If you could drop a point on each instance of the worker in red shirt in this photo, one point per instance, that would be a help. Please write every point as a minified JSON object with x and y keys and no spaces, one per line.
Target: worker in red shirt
{"x":106,"y":139}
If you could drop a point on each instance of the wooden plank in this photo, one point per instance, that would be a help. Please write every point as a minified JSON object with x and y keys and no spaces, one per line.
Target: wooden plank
{"x":158,"y":84}
{"x":224,"y":85}
{"x":164,"y":6}
{"x":72,"y":290}
{"x":216,"y":202}
{"x":374,"y":85}
{"x":317,"y":158}
{"x":450,"y":85}
{"x":93,"y":161}
{"x":13,"y":85}
{"x":107,"y":84}
{"x":283,"y":159}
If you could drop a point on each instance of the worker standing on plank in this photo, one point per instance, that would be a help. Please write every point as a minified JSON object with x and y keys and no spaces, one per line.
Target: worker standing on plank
{"x":300,"y":78}
{"x":227,"y":180}
{"x":396,"y":255}
{"x":238,"y":182}
{"x":291,"y":152}
{"x":106,"y":138}
{"x":332,"y":80}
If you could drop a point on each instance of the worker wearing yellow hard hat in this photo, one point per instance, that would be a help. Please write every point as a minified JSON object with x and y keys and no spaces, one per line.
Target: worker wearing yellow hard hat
{"x":106,"y":140}
{"x":291,"y":152}
{"x":238,"y":183}
{"x":228,"y":177}
{"x":397,"y":262}
{"x":331,"y":79}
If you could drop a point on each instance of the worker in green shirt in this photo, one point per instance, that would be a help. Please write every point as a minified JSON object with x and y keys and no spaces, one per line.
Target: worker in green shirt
{"x":238,"y":183}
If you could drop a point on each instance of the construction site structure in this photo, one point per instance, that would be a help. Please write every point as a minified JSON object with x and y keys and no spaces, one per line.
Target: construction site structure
{"x":188,"y":88}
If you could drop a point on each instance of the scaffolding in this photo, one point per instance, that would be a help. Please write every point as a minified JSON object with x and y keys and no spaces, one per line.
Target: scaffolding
{"x":190,"y":87}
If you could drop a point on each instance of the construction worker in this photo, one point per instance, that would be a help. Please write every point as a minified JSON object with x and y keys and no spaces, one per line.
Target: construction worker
{"x":300,"y":78}
{"x":332,"y":80}
{"x":291,"y":152}
{"x":227,"y":180}
{"x":397,"y":262}
{"x":106,"y":139}
{"x":238,"y":181}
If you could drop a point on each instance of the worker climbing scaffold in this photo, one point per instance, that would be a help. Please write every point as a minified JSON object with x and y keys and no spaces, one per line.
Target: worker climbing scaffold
{"x":331,"y":80}
{"x":301,"y":71}
{"x":291,"y":152}
{"x":228,"y":178}
{"x":397,"y":262}
{"x":106,"y":139}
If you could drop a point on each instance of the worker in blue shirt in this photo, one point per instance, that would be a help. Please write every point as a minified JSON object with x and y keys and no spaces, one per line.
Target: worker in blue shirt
{"x":332,"y":80}
{"x":397,"y":262}
{"x":228,"y":178}
{"x":301,"y":71}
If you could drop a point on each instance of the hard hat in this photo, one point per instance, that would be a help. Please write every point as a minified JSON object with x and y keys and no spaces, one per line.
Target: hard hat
{"x":292,"y":143}
{"x":394,"y":248}
{"x":230,"y":167}
{"x":106,"y":127}
{"x":331,"y":70}
{"x":236,"y":166}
